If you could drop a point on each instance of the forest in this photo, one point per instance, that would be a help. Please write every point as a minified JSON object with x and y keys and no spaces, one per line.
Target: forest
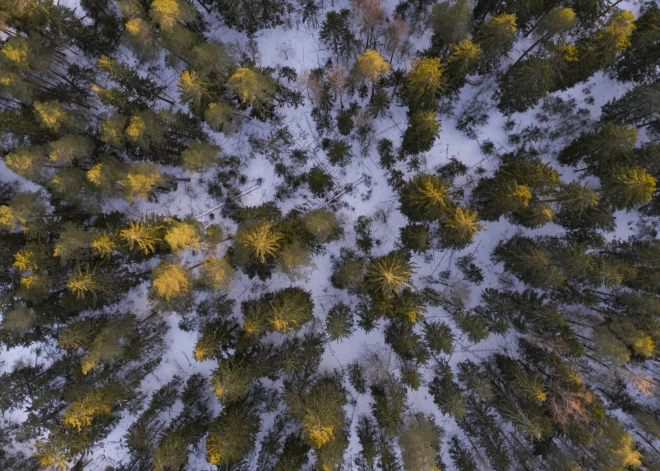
{"x":331,"y":235}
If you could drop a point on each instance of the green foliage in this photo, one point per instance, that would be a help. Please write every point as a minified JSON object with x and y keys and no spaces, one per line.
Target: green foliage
{"x":339,"y":322}
{"x":232,"y":434}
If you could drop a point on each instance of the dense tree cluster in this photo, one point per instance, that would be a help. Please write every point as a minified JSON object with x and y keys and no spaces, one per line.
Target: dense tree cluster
{"x":517,"y":288}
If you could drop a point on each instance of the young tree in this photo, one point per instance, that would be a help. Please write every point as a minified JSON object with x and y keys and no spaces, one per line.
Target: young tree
{"x":250,"y":85}
{"x":182,"y":236}
{"x":496,"y":39}
{"x":451,"y":21}
{"x":140,"y":180}
{"x":629,"y":187}
{"x":339,"y":322}
{"x":232,"y":434}
{"x":423,"y":128}
{"x":424,"y":83}
{"x":201,"y":157}
{"x":424,"y":198}
{"x":170,"y":280}
{"x":371,"y":65}
{"x":261,"y":239}
{"x":389,"y":274}
{"x":420,"y":441}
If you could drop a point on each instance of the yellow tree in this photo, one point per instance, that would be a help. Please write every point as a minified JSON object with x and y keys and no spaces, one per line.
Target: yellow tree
{"x":424,"y":83}
{"x":221,"y":117}
{"x":167,"y":13}
{"x":498,"y":33}
{"x":28,"y":162}
{"x":113,"y":130}
{"x":424,"y":198}
{"x":183,"y":235}
{"x":261,"y":239}
{"x":628,"y":187}
{"x":142,"y":235}
{"x":249,"y":85}
{"x":459,"y":226}
{"x":464,"y":59}
{"x":70,"y":148}
{"x":83,"y":283}
{"x":371,"y":65}
{"x":193,"y":89}
{"x":141,"y":179}
{"x":105,"y":174}
{"x":389,"y":274}
{"x":170,"y":280}
{"x":82,"y":412}
{"x":51,"y":114}
{"x":200,"y":157}
{"x":145,"y":129}
{"x":215,"y":273}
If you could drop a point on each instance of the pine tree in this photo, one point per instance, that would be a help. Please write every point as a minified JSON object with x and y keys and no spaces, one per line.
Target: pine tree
{"x":423,"y":128}
{"x":182,"y":236}
{"x":424,"y":83}
{"x":424,"y":198}
{"x":438,"y":337}
{"x":142,"y":235}
{"x":461,"y":456}
{"x":232,"y":434}
{"x":390,"y":404}
{"x":529,"y":262}
{"x":629,"y":187}
{"x":389,"y":274}
{"x":170,"y":280}
{"x":420,"y":441}
{"x":201,"y":157}
{"x":448,"y":395}
{"x":336,"y":32}
{"x":415,"y":237}
{"x":601,"y":148}
{"x":249,"y":85}
{"x":140,"y":180}
{"x":451,"y":20}
{"x":323,"y":224}
{"x":339,"y":322}
{"x":260,"y":239}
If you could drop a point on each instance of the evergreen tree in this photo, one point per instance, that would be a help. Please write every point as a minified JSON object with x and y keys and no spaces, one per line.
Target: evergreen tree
{"x":423,"y":128}
{"x":424,"y":83}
